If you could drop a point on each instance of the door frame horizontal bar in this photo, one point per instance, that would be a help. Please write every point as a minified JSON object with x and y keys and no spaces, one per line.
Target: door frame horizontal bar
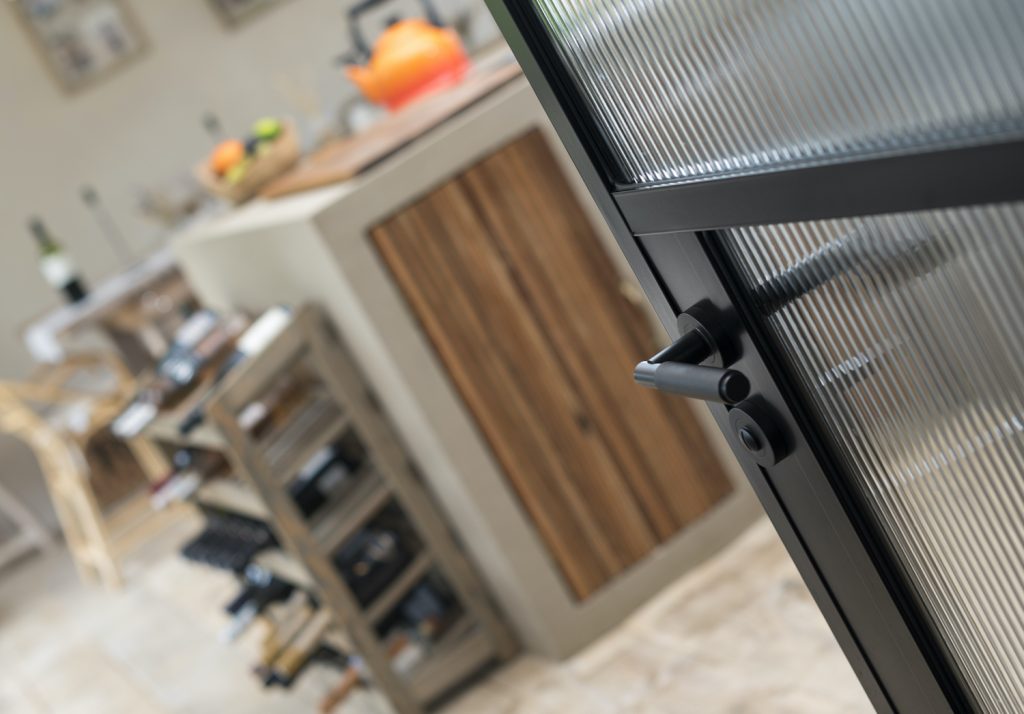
{"x":992,"y":173}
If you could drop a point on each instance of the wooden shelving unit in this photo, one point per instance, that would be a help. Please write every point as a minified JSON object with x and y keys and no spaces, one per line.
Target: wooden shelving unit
{"x":265,"y":465}
{"x":286,"y":567}
{"x":230,"y":494}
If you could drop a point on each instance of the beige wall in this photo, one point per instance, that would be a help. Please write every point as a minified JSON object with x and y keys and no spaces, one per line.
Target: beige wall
{"x":139,"y":126}
{"x":142,"y":124}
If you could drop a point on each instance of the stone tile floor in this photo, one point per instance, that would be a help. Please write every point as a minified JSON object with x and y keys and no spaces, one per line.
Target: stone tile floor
{"x":739,"y":634}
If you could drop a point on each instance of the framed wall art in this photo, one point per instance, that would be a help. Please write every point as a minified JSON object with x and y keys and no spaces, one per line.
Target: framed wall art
{"x":82,"y":41}
{"x":234,"y":12}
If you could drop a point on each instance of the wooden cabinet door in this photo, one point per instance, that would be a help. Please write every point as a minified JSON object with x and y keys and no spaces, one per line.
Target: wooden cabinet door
{"x":522,"y":304}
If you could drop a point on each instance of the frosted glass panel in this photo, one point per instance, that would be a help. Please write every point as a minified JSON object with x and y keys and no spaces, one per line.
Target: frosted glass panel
{"x":907,"y":335}
{"x":686,"y":89}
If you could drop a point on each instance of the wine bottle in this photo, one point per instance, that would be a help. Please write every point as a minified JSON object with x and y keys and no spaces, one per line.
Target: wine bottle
{"x":325,"y":471}
{"x":406,"y":652}
{"x":425,"y":609}
{"x":55,"y":265}
{"x":149,"y":400}
{"x":261,"y":416}
{"x":370,"y":560}
{"x":288,"y":618}
{"x":191,"y":468}
{"x":260,"y":589}
{"x":194,"y":364}
{"x":306,"y":645}
{"x":198,"y":346}
{"x":253,"y":341}
{"x":290,"y":667}
{"x":196,"y":326}
{"x":422,"y":616}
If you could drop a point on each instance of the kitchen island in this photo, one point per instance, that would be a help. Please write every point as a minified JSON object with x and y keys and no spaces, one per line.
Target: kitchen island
{"x":470,"y":277}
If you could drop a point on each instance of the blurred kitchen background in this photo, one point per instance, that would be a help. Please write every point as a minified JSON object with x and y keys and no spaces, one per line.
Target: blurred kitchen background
{"x":316,"y":379}
{"x":135,"y":134}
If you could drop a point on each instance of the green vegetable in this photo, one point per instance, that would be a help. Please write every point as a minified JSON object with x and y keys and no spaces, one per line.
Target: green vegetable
{"x":267,"y":129}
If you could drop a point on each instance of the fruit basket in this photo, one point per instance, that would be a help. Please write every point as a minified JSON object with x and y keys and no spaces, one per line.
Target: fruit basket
{"x":259,"y":161}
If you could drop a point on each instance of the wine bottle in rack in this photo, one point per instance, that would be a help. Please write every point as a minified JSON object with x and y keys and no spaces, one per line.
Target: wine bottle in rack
{"x":427,"y":610}
{"x":325,"y":472}
{"x":260,"y":588}
{"x":290,"y":668}
{"x":304,"y":647}
{"x":195,"y":364}
{"x":161,"y":388}
{"x":274,"y":408}
{"x":286,"y":619}
{"x":192,"y":467}
{"x":55,"y":265}
{"x":253,"y":341}
{"x":189,"y":334}
{"x":197,"y":347}
{"x":370,"y":560}
{"x":418,"y":621}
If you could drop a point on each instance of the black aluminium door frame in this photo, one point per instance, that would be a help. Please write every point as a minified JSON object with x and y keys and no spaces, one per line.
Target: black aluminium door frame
{"x":860,"y":588}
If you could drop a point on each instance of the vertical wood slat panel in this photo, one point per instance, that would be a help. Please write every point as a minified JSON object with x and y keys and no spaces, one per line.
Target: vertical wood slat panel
{"x":489,"y":385}
{"x":592,"y":477}
{"x":521,"y":303}
{"x":570,"y":283}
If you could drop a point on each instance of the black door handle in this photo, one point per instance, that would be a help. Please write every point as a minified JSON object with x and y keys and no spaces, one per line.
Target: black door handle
{"x":695,"y":366}
{"x":678,"y":369}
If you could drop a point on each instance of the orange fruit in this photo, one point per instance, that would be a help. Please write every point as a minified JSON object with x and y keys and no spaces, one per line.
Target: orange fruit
{"x":227,"y":154}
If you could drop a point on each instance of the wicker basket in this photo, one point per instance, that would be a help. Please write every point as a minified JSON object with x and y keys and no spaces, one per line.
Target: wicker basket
{"x":282,"y":155}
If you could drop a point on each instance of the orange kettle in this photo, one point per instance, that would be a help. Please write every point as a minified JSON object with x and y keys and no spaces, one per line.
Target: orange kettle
{"x":411,"y":58}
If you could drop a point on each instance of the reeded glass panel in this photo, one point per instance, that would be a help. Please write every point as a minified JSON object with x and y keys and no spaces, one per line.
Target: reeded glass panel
{"x":907,"y":335}
{"x":686,"y":89}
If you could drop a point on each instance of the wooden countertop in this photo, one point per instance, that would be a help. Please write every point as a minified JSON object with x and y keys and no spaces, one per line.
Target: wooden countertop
{"x":267,"y":214}
{"x":344,"y":158}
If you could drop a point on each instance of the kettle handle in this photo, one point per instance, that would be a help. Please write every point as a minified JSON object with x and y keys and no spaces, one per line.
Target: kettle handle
{"x":359,"y":43}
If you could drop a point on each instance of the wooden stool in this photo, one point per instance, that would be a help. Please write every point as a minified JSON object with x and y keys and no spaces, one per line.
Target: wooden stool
{"x":30,"y":410}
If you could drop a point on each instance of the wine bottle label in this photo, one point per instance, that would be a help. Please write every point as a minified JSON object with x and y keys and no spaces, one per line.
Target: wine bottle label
{"x":251,"y":415}
{"x":316,"y":463}
{"x":195,"y":328}
{"x":406,"y":659}
{"x":262,"y":332}
{"x":179,"y":488}
{"x":57,"y":270}
{"x":133,"y":419}
{"x":331,"y":478}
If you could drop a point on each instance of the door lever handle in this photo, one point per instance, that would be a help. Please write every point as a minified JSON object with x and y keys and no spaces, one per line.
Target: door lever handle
{"x":678,"y":369}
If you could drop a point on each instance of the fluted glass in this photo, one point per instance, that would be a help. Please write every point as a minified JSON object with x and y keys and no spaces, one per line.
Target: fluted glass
{"x":906,"y":334}
{"x":690,"y":89}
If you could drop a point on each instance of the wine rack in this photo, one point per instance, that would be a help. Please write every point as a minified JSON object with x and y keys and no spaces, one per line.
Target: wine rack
{"x":339,"y":403}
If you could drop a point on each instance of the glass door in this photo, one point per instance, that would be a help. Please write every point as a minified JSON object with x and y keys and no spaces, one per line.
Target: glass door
{"x":904,"y":335}
{"x":824,"y":201}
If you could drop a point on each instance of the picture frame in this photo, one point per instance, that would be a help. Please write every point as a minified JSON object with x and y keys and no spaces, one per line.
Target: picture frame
{"x":82,"y":42}
{"x":233,"y":13}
